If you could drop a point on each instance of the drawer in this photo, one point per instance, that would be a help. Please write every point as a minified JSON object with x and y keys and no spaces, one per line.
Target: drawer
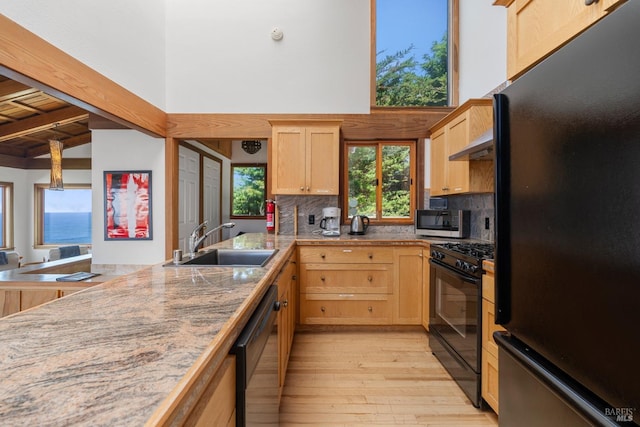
{"x":490,"y":379}
{"x":488,"y":288}
{"x":346,"y":278}
{"x":346,"y":254}
{"x":489,"y":327}
{"x":345,"y":309}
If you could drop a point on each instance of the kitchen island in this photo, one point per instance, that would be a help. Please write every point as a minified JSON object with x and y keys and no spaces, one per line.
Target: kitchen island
{"x":138,"y":349}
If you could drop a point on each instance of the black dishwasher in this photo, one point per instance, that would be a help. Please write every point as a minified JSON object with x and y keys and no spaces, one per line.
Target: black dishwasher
{"x":256,"y":351}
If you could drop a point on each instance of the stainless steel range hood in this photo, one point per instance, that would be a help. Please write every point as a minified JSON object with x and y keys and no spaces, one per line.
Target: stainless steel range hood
{"x":480,"y":148}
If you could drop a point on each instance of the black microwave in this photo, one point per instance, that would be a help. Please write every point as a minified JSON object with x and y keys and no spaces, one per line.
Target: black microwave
{"x":443,"y":223}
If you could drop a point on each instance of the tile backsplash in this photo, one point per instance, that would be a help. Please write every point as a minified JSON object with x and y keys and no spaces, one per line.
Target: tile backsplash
{"x":480,"y":205}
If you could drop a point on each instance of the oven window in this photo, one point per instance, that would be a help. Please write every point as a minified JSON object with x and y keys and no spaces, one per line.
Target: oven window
{"x":452,"y":306}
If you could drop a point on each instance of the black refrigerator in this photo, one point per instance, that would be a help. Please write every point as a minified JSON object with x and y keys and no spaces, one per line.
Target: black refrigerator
{"x":567,"y":137}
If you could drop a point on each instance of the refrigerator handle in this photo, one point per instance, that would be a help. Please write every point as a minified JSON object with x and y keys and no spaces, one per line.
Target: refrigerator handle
{"x":503,"y":174}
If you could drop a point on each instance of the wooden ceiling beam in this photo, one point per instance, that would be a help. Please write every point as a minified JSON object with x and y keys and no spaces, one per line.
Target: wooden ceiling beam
{"x":42,"y":122}
{"x":10,"y":89}
{"x":74,"y":141}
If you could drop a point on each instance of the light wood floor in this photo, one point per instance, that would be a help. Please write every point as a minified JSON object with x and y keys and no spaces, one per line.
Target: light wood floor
{"x":372,"y":378}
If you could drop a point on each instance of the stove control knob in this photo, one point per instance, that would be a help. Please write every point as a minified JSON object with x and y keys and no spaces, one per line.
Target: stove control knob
{"x":434,"y":254}
{"x":473,"y":268}
{"x":459,"y":264}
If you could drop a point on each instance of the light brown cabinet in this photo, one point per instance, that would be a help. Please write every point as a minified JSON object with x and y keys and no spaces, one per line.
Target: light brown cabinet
{"x":489,"y":347}
{"x":426,"y":292}
{"x":13,"y":301}
{"x":451,"y":135}
{"x":304,"y":157}
{"x":536,"y":28}
{"x":217,"y":404}
{"x":287,"y":291}
{"x":9,"y":302}
{"x":367,"y":285}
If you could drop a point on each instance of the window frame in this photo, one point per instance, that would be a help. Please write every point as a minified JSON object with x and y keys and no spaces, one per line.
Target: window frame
{"x":265,"y":192}
{"x":453,"y":60}
{"x":38,"y":235}
{"x":413,"y":183}
{"x":7,"y":216}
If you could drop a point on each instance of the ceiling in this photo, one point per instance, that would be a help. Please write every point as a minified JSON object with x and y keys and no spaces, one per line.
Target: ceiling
{"x":30,"y":117}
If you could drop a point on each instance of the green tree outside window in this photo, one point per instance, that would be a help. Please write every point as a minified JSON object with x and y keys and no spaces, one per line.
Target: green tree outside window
{"x":249,"y":190}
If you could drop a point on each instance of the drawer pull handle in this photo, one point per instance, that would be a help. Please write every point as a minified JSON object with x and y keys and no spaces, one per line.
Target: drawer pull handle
{"x":370,"y":256}
{"x":370,"y":279}
{"x":347,"y":250}
{"x":322,"y":278}
{"x":285,"y":303}
{"x":322,"y":309}
{"x":370,"y":309}
{"x":294,"y":277}
{"x":322,"y":255}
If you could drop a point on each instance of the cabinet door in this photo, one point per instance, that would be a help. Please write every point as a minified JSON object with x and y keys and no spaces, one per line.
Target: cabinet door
{"x":457,"y":139}
{"x":408,"y":287}
{"x":288,"y":157}
{"x":283,"y":334}
{"x":322,"y":160}
{"x":538,"y":27}
{"x":438,"y":163}
{"x":29,"y":299}
{"x":216,"y":406}
{"x":9,"y":302}
{"x":426,"y":292}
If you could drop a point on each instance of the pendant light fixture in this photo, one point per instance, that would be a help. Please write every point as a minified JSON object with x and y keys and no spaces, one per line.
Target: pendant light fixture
{"x":55,"y":149}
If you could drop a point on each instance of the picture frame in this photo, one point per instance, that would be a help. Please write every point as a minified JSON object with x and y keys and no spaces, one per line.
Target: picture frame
{"x":127,"y":205}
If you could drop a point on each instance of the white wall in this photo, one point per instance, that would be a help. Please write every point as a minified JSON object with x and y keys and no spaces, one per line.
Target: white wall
{"x":122,"y":39}
{"x":483,"y":48}
{"x":122,"y":150}
{"x":221,"y":58}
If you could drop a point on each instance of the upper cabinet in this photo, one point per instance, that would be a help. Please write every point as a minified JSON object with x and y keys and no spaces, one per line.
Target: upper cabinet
{"x":536,"y":28}
{"x":451,"y":135}
{"x":305,"y":157}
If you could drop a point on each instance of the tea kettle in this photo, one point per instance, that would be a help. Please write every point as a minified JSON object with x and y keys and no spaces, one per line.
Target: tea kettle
{"x":359,"y":224}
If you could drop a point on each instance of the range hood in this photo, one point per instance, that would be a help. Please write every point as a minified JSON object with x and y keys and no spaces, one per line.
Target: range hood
{"x":480,"y":148}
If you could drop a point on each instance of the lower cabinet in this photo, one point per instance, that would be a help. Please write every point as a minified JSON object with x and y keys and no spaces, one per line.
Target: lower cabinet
{"x":287,"y":292}
{"x":489,"y":347}
{"x":217,"y":404}
{"x":360,"y":285}
{"x":13,"y":301}
{"x":426,"y":293}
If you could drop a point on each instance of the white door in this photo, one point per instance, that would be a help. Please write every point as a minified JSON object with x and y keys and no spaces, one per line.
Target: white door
{"x":188,"y":195}
{"x":211,"y":196}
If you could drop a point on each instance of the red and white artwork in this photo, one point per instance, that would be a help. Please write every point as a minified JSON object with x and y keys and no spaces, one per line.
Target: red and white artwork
{"x":127,"y":205}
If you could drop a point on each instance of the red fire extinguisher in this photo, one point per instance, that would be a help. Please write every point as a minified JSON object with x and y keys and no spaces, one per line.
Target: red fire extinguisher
{"x":271,"y":215}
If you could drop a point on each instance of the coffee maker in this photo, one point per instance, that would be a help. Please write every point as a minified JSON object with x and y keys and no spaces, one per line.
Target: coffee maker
{"x":330,"y":222}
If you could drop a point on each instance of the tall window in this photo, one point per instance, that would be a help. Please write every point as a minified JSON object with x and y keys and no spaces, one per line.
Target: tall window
{"x":412,"y":39}
{"x":248,"y":183}
{"x":6,"y":217}
{"x":63,"y":217}
{"x":380,"y":180}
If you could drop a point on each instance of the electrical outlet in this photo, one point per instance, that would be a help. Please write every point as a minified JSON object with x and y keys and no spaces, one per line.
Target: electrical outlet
{"x":487,"y":224}
{"x":312,"y":219}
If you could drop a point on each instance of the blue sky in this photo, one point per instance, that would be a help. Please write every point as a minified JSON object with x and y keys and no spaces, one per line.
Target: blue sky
{"x":68,"y":201}
{"x":402,"y":22}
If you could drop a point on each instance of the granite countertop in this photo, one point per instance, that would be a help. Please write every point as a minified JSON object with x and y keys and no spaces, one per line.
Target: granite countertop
{"x":124,"y":351}
{"x":119,"y":353}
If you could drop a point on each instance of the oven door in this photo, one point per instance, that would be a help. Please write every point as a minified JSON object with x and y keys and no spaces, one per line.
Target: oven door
{"x":456,"y":313}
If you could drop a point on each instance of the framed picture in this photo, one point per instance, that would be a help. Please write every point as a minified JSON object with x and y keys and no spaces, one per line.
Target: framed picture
{"x":127,"y":205}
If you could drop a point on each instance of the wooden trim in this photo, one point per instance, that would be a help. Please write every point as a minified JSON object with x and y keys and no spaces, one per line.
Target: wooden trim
{"x":373,"y":57}
{"x":454,"y":34}
{"x":410,"y":123}
{"x":171,"y":160}
{"x":481,"y":102}
{"x":31,"y":60}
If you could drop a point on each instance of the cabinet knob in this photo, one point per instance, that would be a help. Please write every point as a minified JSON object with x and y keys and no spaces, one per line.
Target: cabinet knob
{"x":322,"y":278}
{"x":322,"y":309}
{"x":590,"y":2}
{"x":301,"y":188}
{"x":294,"y":277}
{"x":285,"y":303}
{"x":308,"y":189}
{"x":370,"y":279}
{"x":370,"y":309}
{"x":322,"y":256}
{"x":370,"y":256}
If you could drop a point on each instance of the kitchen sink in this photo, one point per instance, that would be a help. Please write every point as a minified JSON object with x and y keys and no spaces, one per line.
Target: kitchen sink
{"x":228,"y":258}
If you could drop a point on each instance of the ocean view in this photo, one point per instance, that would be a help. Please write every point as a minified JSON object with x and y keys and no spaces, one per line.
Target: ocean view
{"x":67,"y":227}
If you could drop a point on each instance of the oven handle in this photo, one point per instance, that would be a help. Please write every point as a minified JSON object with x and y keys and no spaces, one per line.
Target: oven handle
{"x":461,"y":276}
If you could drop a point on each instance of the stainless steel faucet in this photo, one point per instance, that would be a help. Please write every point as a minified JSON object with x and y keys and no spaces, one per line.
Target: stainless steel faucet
{"x":195,"y":241}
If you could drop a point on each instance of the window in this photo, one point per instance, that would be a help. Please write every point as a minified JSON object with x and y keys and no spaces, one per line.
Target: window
{"x":63,"y":217}
{"x":380,"y":180}
{"x":411,"y":45}
{"x":248,"y":184}
{"x":6,"y":217}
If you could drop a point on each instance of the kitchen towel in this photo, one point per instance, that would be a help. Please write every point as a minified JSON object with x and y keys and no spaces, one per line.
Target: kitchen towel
{"x":69,"y":251}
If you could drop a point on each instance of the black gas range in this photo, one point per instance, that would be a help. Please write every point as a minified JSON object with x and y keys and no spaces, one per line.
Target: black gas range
{"x":464,"y":257}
